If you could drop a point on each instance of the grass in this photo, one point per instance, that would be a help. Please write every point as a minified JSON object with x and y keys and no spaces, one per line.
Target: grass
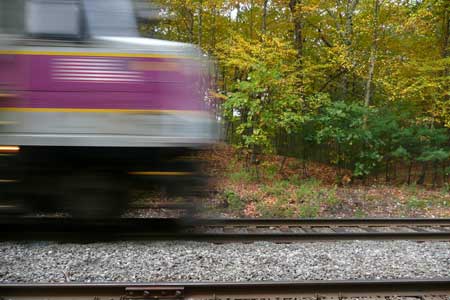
{"x":414,"y":203}
{"x":281,"y":198}
{"x":278,"y":209}
{"x":411,"y":188}
{"x":269,"y":170}
{"x":278,"y":188}
{"x":242,"y":175}
{"x":331,"y":200}
{"x":445,"y":190}
{"x":234,"y":202}
{"x":304,"y":200}
{"x":445,"y":203}
{"x":309,"y":211}
{"x":273,"y":196}
{"x":359,"y":213}
{"x":296,"y":180}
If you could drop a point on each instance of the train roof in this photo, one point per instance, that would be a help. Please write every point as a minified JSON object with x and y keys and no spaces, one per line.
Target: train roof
{"x":141,"y":44}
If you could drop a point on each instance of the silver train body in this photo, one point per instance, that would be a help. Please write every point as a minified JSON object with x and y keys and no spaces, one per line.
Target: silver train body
{"x":89,"y":108}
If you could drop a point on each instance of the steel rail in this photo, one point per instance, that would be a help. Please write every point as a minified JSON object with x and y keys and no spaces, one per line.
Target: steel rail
{"x":329,"y":221}
{"x":294,"y":290}
{"x":226,"y":230}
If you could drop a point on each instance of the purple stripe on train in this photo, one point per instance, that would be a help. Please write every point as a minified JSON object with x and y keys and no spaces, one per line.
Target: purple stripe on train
{"x":46,"y":81}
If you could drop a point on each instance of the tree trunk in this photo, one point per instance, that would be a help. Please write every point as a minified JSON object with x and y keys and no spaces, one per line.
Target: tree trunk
{"x":191,"y":26}
{"x":200,"y":23}
{"x":297,"y":18}
{"x":444,"y":176}
{"x":445,"y":31}
{"x":373,"y":52}
{"x":348,"y":39}
{"x":386,"y":174}
{"x":264,"y":17}
{"x":282,"y":164}
{"x":395,"y":170}
{"x":435,"y":173}
{"x":421,"y":179}
{"x":349,"y":12}
{"x":251,"y":23}
{"x":214,"y":29}
{"x":445,"y":41}
{"x":238,"y":17}
{"x":409,"y":172}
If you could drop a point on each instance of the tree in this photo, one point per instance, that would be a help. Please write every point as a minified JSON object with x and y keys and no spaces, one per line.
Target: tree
{"x":296,"y":72}
{"x":265,"y":98}
{"x":373,"y":51}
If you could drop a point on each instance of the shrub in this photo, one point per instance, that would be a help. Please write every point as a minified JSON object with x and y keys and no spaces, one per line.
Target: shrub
{"x":235,"y":203}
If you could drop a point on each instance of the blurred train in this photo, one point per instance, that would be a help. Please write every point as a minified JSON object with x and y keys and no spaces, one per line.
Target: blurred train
{"x":89,"y":109}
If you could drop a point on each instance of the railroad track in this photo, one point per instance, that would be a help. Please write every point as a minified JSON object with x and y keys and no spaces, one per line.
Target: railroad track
{"x":226,"y":230}
{"x":308,"y":290}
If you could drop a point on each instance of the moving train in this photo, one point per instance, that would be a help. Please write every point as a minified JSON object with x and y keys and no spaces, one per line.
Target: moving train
{"x":89,"y":109}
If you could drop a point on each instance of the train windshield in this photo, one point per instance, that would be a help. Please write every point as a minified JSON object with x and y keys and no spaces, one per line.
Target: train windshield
{"x":111,"y":18}
{"x":102,"y":17}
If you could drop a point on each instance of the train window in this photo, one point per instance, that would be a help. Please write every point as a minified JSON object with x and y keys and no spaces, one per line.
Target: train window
{"x":111,"y":18}
{"x":147,"y":11}
{"x":54,"y":19}
{"x":11,"y":16}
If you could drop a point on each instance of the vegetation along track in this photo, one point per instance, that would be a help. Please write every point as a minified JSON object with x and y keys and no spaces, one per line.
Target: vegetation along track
{"x":226,"y":230}
{"x":308,"y":290}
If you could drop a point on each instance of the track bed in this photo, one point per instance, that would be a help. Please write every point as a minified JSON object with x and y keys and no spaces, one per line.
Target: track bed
{"x":324,"y":290}
{"x":225,"y":230}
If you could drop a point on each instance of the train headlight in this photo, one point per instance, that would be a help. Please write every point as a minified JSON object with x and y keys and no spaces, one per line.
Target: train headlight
{"x":9,"y":149}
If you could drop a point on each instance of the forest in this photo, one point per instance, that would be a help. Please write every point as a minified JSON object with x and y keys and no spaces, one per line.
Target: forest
{"x":360,"y":85}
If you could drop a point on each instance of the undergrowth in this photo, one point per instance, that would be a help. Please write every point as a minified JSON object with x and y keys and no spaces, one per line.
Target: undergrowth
{"x":266,"y":190}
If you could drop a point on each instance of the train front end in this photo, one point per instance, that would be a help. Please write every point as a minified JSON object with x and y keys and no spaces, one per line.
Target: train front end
{"x":89,"y":109}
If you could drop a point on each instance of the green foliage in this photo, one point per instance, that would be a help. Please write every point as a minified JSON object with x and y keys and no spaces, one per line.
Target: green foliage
{"x":359,"y":213}
{"x":295,"y":180}
{"x":278,"y":210}
{"x":307,"y":191}
{"x":242,"y":175}
{"x":269,"y":170}
{"x":434,"y":155}
{"x":446,"y":189}
{"x":363,"y":139}
{"x":235,"y":203}
{"x":303,"y":199}
{"x":264,"y":99}
{"x":309,"y":211}
{"x":401,"y":153}
{"x":445,"y":203}
{"x":346,"y":130}
{"x":331,"y":199}
{"x":312,"y":192}
{"x":278,"y":188}
{"x":414,"y":203}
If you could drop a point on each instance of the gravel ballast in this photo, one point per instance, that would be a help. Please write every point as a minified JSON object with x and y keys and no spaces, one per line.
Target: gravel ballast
{"x":47,"y":262}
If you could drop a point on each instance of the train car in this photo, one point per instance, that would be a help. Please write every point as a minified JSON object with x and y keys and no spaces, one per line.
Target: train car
{"x":88,"y":108}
